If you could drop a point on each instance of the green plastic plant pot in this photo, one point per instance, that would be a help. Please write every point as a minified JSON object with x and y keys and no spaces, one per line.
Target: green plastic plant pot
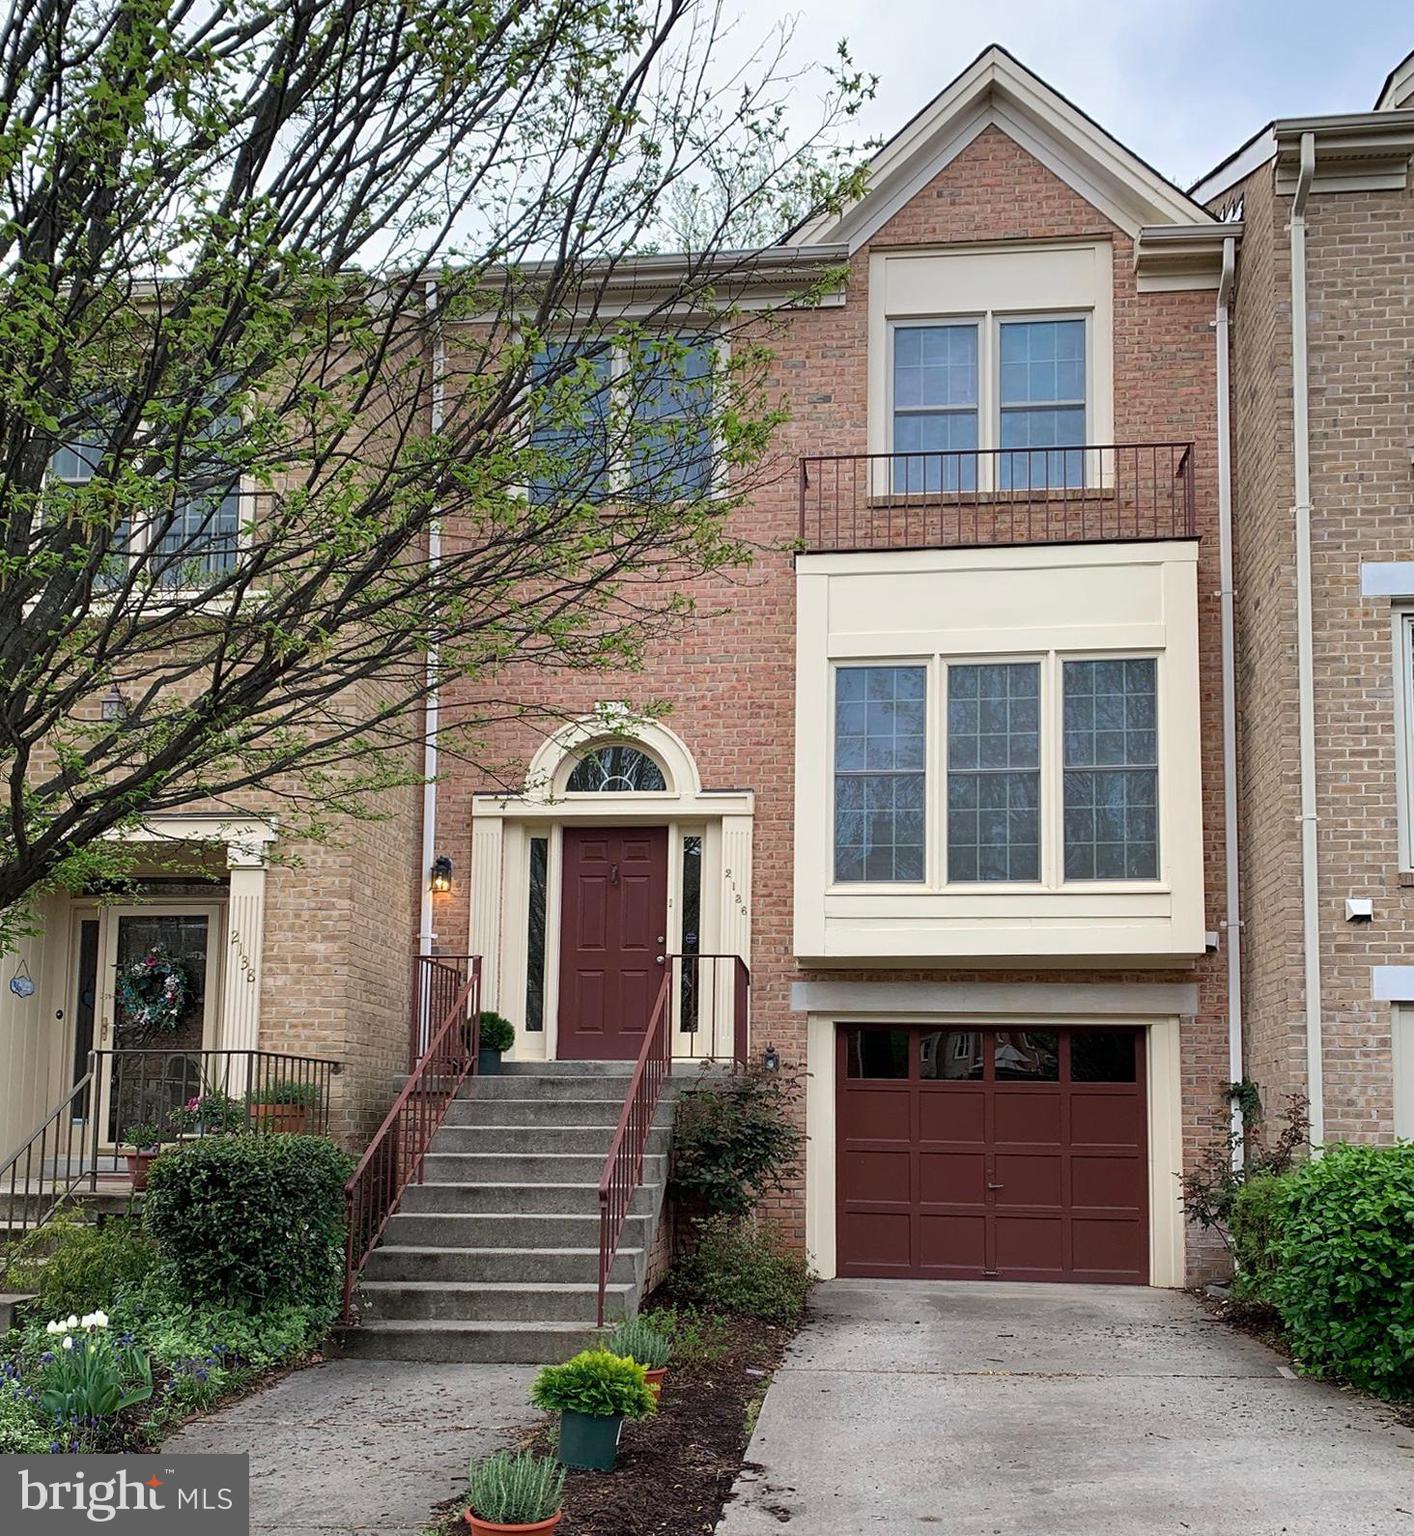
{"x":488,"y":1062}
{"x":589,"y":1440}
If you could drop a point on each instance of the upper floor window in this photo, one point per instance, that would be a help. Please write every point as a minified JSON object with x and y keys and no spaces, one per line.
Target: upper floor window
{"x":1013,"y":388}
{"x":1111,"y":770}
{"x":880,"y":760}
{"x":1019,"y":805}
{"x":615,"y":769}
{"x":196,"y":536}
{"x":635,"y":423}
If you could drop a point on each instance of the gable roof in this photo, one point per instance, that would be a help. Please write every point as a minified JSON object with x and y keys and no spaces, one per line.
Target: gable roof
{"x":1398,"y":89}
{"x":997,"y":89}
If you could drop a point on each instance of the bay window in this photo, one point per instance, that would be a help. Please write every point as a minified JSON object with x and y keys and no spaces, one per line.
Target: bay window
{"x":880,"y":760}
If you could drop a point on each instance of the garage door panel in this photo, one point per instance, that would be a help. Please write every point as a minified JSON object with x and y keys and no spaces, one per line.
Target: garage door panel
{"x":1028,"y":1179}
{"x":1035,"y":1167}
{"x":879,"y":1114}
{"x":1027,"y":1115}
{"x":1030,"y":1243}
{"x":1106,"y":1120}
{"x":1104,"y":1248}
{"x":876,"y":1241}
{"x":952,"y":1115}
{"x":877,"y":1175}
{"x":1114,"y":1182}
{"x":952,"y":1178}
{"x":953,"y":1242}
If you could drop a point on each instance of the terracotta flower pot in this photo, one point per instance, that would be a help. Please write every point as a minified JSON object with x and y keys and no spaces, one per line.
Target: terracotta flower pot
{"x":284,"y":1118}
{"x":491,"y":1528}
{"x":138,"y":1164}
{"x":655,"y":1380}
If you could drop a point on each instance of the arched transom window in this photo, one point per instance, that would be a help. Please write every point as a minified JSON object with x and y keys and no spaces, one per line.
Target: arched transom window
{"x":615,"y":768}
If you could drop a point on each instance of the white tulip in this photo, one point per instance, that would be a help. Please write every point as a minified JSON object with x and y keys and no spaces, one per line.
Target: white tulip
{"x":68,"y":1342}
{"x":73,"y":1320}
{"x":100,"y":1319}
{"x":51,"y":1328}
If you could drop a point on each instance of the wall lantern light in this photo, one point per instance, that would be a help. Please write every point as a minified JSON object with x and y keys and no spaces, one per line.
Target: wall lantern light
{"x":771,"y":1060}
{"x":441,"y":874}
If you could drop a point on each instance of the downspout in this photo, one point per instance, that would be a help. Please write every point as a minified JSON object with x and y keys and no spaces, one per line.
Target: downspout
{"x":426,"y":937}
{"x":1305,"y":663}
{"x":1233,"y":920}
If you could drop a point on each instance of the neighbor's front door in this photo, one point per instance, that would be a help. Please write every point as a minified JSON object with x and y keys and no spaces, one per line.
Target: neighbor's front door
{"x":613,"y":930}
{"x":150,"y":1072}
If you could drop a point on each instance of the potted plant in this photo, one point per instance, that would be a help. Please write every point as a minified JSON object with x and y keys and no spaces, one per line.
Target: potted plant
{"x":146,"y":1142}
{"x":282,"y":1106}
{"x":635,"y":1339}
{"x":514,"y":1493}
{"x":497,"y":1034}
{"x":593,"y":1393}
{"x":210,"y":1113}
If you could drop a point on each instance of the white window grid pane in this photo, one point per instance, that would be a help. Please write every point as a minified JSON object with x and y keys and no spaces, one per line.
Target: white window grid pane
{"x":1110,"y":791}
{"x":994,"y":777}
{"x":880,"y":740}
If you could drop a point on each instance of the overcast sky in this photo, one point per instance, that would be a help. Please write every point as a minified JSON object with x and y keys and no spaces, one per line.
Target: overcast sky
{"x":1182,"y":83}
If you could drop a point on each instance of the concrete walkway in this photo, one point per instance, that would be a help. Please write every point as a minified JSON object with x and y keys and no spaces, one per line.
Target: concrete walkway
{"x":365,"y":1445}
{"x":1045,"y":1410}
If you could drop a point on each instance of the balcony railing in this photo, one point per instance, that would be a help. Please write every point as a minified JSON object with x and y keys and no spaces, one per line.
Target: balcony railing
{"x":1095,"y":494}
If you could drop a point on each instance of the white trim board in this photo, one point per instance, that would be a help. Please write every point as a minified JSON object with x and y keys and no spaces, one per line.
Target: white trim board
{"x":1030,"y":998}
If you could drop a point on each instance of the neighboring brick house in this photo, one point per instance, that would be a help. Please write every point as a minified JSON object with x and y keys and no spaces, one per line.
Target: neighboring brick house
{"x":1323,"y":440}
{"x":951,"y":766}
{"x":1011,"y":1012}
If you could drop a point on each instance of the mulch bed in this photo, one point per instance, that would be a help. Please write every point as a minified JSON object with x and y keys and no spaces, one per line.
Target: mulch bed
{"x":675,"y":1469}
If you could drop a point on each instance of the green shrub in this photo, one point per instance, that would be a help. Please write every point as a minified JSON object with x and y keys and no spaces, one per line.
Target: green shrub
{"x":74,"y":1267}
{"x":22,"y":1431}
{"x":637,"y":1339}
{"x":1255,"y":1222}
{"x":595,"y":1382}
{"x":1343,"y":1265}
{"x":741,"y":1268}
{"x":497,"y":1033}
{"x":285,"y":1091}
{"x":516,"y":1490}
{"x":258,"y":1218}
{"x":694,"y":1338}
{"x":735,"y":1140}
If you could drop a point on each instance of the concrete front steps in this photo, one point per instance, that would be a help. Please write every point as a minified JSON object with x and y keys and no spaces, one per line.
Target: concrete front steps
{"x":495,"y":1256}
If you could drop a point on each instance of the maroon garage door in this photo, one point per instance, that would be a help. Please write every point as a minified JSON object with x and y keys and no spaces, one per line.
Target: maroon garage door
{"x":970,"y":1154}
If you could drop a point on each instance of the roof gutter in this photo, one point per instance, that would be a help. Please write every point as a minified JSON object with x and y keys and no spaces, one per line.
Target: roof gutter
{"x":1305,"y":662}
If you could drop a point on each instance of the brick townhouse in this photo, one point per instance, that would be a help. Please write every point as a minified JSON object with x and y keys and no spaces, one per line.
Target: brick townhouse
{"x":1322,"y":334}
{"x":979,"y":768}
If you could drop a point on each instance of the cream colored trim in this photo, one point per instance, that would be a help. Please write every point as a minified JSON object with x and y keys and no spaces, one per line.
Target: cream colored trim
{"x":1402,"y":1068}
{"x":922,"y":998}
{"x":985,"y":286}
{"x":997,"y":89}
{"x":1164,"y":1114}
{"x":934,"y":606}
{"x":502,"y":826}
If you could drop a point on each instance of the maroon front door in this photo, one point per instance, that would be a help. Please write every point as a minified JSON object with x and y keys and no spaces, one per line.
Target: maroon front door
{"x":971,"y":1154}
{"x":612,"y":929}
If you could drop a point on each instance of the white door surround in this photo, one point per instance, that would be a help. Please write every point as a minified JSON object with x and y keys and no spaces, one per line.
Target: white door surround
{"x":501,"y":833}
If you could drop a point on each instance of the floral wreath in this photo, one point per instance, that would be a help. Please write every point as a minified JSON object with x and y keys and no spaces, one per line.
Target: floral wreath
{"x":154,"y":994}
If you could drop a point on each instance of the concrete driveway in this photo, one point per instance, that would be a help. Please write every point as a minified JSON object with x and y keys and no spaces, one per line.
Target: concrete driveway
{"x":1047,"y":1410}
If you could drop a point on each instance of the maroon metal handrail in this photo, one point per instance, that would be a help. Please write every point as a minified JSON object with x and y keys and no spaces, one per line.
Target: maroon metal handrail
{"x":397,"y":1155}
{"x":701,"y":989}
{"x":983,"y":497}
{"x":623,"y":1167}
{"x":36,"y":1178}
{"x":436,"y":980}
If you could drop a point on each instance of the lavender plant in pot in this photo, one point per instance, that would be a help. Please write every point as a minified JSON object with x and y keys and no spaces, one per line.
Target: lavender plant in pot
{"x":636,"y":1339}
{"x":520,"y":1493}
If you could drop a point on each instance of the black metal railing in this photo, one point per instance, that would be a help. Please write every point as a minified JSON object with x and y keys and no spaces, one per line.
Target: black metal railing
{"x":155,"y":1096}
{"x":976,"y":498}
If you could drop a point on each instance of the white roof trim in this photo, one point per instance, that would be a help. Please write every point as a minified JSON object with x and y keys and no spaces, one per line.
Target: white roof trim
{"x":996,"y":89}
{"x":1399,"y":86}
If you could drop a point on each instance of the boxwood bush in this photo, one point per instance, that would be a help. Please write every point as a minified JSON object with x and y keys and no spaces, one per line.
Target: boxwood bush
{"x":251,"y":1218}
{"x":1256,"y":1218}
{"x":1333,"y":1251}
